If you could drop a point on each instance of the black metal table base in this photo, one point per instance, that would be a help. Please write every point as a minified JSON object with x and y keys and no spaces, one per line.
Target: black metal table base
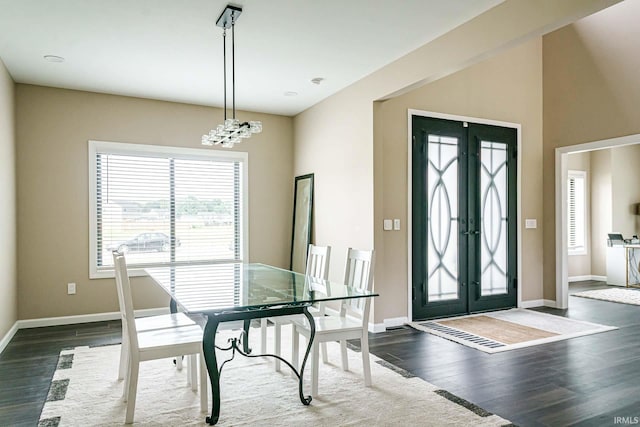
{"x":209,"y":349}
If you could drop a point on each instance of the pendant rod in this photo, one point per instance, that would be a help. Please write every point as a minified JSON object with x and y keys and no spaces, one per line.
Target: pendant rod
{"x":224,"y":66}
{"x":232,"y":132}
{"x":233,"y":62}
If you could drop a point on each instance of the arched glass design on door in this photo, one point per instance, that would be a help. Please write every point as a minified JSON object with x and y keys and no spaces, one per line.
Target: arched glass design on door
{"x":442,"y":219}
{"x":493,"y":217}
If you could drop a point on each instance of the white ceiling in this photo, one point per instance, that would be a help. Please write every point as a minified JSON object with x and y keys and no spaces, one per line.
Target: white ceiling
{"x":172,"y":50}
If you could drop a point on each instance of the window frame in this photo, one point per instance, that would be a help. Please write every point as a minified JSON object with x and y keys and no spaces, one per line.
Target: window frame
{"x":578,"y":250}
{"x":122,"y":148}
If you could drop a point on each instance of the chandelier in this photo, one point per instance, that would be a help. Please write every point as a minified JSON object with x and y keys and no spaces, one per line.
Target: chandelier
{"x":232,"y":131}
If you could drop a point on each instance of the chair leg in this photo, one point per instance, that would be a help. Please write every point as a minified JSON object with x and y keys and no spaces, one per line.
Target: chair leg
{"x":263,"y":335}
{"x":125,"y":389}
{"x":323,"y":347}
{"x":132,"y":380}
{"x":315,"y":361}
{"x":189,"y":374}
{"x":345,"y":359}
{"x":179,"y":363}
{"x":278,"y":336}
{"x":366,"y":367}
{"x":124,"y":354}
{"x":204,"y":383}
{"x":192,"y":370}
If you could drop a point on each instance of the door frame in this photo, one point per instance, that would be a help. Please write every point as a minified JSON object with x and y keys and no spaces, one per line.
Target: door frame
{"x":422,"y":113}
{"x":561,"y":172}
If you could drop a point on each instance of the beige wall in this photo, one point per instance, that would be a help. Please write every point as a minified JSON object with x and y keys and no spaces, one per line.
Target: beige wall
{"x":505,"y":88}
{"x":601,"y":204}
{"x":625,"y":191}
{"x":8,"y":255}
{"x":591,"y":93}
{"x":615,"y":172}
{"x":580,"y":265}
{"x":335,"y":138}
{"x":53,"y":127}
{"x":334,"y":150}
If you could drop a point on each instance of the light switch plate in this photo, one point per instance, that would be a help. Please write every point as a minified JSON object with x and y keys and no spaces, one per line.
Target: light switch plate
{"x":396,"y":224}
{"x":530,"y":223}
{"x":387,"y":225}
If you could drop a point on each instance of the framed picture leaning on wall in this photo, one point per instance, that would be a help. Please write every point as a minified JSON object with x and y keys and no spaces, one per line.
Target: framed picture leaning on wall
{"x":302,"y":217}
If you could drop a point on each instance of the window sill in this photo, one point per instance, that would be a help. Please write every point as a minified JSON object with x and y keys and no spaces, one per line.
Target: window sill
{"x":109,"y":274}
{"x":578,"y":252}
{"x":139,"y":271}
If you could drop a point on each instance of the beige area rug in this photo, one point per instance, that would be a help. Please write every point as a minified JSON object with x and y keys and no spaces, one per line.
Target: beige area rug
{"x":509,"y":329}
{"x":621,"y":295}
{"x":85,"y":393}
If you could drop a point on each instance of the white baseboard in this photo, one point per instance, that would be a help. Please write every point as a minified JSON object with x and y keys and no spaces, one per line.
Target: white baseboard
{"x":587,"y":277}
{"x":7,"y":337}
{"x":532,"y":303}
{"x":101,"y":317}
{"x":394,"y":322}
{"x":538,"y":303}
{"x":376,"y":328}
{"x":84,"y":318}
{"x":387,"y":323}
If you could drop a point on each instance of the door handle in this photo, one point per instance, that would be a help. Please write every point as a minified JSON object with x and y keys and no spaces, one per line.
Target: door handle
{"x":471,"y":232}
{"x":477,"y":291}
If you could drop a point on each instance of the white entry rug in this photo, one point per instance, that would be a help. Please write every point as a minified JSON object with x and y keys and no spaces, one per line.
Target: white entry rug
{"x":499,"y":331}
{"x":85,"y":392}
{"x":621,"y":295}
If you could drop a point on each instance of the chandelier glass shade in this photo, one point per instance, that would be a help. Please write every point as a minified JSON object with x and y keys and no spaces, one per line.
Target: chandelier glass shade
{"x":232,"y":131}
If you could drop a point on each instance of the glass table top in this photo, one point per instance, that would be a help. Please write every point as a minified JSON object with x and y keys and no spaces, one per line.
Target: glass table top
{"x":236,"y":286}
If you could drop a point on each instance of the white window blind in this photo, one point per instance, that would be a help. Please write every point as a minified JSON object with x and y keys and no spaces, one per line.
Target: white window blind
{"x":577,"y":212}
{"x":165,"y":205}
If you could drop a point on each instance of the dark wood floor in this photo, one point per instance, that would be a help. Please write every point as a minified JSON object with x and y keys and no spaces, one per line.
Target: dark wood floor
{"x":27,"y":365}
{"x":582,"y":381}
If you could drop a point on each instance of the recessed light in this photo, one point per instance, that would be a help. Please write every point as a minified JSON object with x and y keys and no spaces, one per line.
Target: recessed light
{"x":290,"y":93}
{"x":317,"y":80}
{"x":53,"y":58}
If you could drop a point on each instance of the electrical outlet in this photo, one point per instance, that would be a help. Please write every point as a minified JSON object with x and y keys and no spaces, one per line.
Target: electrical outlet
{"x":71,"y":288}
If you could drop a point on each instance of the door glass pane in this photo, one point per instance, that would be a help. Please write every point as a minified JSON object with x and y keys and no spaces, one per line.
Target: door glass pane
{"x":493,"y":217}
{"x":442,"y":218}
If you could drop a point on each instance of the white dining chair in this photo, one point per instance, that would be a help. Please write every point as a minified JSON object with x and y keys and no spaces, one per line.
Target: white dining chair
{"x":318,"y":267}
{"x":155,"y":344}
{"x":359,"y":275}
{"x":150,"y":323}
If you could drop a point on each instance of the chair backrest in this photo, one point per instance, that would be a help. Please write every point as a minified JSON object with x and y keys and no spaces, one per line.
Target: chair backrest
{"x":125,"y":299}
{"x":318,"y":267}
{"x":318,"y":261}
{"x":358,"y":274}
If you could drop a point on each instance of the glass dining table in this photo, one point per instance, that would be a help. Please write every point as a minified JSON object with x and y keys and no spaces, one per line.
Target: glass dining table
{"x":242,"y":292}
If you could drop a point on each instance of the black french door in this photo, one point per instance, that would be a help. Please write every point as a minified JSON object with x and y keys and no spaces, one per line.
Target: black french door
{"x":464,"y":217}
